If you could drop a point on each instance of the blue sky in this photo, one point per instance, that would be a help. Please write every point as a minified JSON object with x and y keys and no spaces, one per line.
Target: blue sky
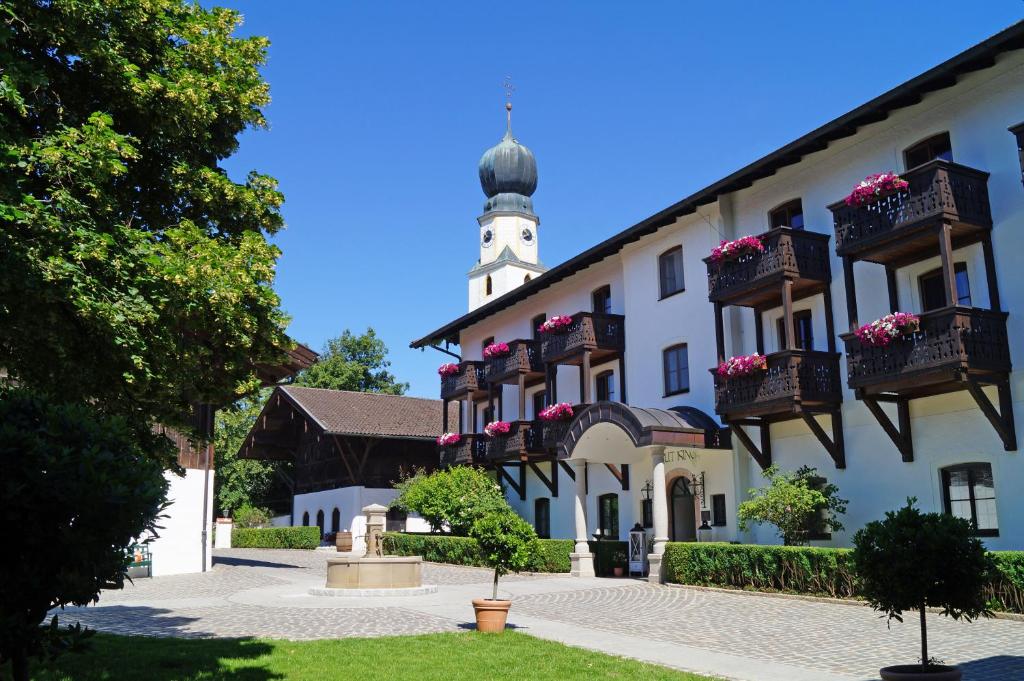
{"x":381,"y":111}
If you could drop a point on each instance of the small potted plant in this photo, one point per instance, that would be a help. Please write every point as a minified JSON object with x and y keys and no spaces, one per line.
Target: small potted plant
{"x":507,"y":544}
{"x":619,"y":563}
{"x":913,"y":560}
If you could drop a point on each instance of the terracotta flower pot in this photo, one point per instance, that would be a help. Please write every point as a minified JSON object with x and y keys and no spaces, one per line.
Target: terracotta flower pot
{"x":618,"y":571}
{"x":491,"y":615}
{"x":913,"y":672}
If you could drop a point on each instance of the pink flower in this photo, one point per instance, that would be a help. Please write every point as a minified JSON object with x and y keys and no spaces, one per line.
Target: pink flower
{"x":496,"y":350}
{"x":743,"y":365}
{"x":874,"y":187}
{"x":556,"y":324}
{"x":448,"y":369}
{"x":556,"y":412}
{"x":727,"y":250}
{"x":881,"y":332}
{"x":449,"y":439}
{"x":497,"y":428}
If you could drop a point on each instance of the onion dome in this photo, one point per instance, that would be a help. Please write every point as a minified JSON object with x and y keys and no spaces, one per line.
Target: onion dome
{"x":508,"y":174}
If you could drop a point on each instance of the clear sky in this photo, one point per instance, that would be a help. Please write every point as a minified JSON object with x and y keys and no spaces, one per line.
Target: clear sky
{"x":381,"y":111}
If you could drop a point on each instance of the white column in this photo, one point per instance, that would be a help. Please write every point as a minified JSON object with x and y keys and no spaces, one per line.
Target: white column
{"x":660,"y":509}
{"x":581,"y":559}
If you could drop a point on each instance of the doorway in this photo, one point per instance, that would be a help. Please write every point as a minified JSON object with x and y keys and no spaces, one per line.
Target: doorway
{"x":683,"y":515}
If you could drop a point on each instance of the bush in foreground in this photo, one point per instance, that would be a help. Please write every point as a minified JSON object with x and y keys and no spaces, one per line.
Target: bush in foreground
{"x":451,"y":499}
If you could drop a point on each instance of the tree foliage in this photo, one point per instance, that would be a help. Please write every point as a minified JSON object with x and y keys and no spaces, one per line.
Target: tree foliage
{"x":241,"y":482}
{"x":795,"y":503}
{"x":452,"y":499}
{"x":507,"y":542}
{"x":353,"y":362}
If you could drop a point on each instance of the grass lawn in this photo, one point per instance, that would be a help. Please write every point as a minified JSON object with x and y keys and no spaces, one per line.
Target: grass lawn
{"x":444,"y":657}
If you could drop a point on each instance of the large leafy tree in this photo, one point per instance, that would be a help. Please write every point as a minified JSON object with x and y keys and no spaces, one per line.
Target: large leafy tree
{"x":353,"y":362}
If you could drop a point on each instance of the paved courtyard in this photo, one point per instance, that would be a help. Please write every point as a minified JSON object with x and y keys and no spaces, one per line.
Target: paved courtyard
{"x":733,"y":635}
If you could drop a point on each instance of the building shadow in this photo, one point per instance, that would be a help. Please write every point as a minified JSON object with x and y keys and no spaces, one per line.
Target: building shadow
{"x":994,"y":668}
{"x":249,"y":562}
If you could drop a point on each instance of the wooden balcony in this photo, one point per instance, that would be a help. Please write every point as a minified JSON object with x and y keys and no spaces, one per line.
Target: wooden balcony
{"x":954,"y":345}
{"x":603,"y":335}
{"x":468,"y":383}
{"x":470,"y":450}
{"x":796,"y":382}
{"x":754,"y":279}
{"x":901,"y":228}
{"x":522,"y":439}
{"x":523,"y":360}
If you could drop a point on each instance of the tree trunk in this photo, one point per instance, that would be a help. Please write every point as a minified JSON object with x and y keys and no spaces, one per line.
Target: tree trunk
{"x":924,"y":640}
{"x":19,"y":665}
{"x":495,"y":596}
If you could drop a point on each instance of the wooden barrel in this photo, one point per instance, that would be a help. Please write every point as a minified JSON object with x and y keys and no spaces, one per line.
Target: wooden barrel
{"x":343,"y":540}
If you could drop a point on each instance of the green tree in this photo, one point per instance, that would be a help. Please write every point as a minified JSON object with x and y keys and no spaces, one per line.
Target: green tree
{"x":351,"y":362}
{"x":453,"y":498}
{"x":507,"y":542}
{"x":795,"y":503}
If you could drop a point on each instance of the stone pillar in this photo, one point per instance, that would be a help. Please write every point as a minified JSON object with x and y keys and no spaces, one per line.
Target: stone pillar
{"x":581,"y":559}
{"x":222,"y":536}
{"x":376,"y":520}
{"x":660,"y":508}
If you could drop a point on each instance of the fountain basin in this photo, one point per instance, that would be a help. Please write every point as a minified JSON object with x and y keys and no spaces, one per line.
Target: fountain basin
{"x":378,"y":572}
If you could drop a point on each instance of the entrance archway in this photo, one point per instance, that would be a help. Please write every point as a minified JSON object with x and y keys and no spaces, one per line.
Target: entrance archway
{"x":682,"y":513}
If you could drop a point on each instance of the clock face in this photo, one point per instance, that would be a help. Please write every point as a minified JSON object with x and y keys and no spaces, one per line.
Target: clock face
{"x":526,"y":235}
{"x":488,"y":238}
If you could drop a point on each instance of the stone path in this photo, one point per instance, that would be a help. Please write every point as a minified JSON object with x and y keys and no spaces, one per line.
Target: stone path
{"x":741,"y":636}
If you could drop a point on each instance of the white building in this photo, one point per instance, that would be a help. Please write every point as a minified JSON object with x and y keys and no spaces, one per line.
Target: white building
{"x":930,"y":416}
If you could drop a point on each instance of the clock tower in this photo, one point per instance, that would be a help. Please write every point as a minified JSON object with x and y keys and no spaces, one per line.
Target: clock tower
{"x":508,"y":227}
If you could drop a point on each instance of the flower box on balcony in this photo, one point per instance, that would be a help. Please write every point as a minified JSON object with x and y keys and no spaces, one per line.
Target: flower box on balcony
{"x":730,"y":250}
{"x":522,"y":359}
{"x":601,"y":334}
{"x":884,"y":331}
{"x":496,"y":350}
{"x":792,"y":380}
{"x":467,"y":381}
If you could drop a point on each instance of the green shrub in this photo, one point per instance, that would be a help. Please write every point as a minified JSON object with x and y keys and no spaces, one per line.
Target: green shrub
{"x":796,"y":503}
{"x":451,"y":499}
{"x":552,"y":555}
{"x":276,"y":538}
{"x":1006,"y":591}
{"x":251,"y":516}
{"x":507,"y":543}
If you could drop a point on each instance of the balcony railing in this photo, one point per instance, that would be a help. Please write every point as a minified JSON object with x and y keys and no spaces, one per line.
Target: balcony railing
{"x":468,"y":382}
{"x":522,"y":438}
{"x":524,"y":358}
{"x":472,"y":449}
{"x":751,"y":279}
{"x":604,"y":334}
{"x":794,"y":378}
{"x":940,"y":191}
{"x":951,"y":343}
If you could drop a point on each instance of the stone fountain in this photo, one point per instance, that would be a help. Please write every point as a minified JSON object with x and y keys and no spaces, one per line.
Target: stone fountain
{"x":374,"y":574}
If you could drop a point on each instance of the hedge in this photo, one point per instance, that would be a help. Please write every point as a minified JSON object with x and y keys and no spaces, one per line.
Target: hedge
{"x":807,"y":570}
{"x":275,"y":537}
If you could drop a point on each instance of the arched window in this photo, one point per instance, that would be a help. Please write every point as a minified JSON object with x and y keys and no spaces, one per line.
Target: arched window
{"x":488,"y":287}
{"x":608,"y":515}
{"x":789,"y":214}
{"x":535,"y":324}
{"x":526,"y":279}
{"x":320,"y":520}
{"x":542,"y":517}
{"x":936,"y":146}
{"x":670,"y":271}
{"x":335,"y":520}
{"x":305,"y":519}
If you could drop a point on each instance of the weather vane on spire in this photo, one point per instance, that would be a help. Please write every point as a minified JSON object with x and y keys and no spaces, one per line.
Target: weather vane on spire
{"x":509,"y":89}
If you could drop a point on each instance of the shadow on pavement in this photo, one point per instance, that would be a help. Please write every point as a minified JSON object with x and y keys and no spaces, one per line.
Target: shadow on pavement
{"x":249,"y":562}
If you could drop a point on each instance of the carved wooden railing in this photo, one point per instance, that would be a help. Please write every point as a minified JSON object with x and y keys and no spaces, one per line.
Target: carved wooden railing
{"x":787,"y":252}
{"x":938,"y":190}
{"x":520,"y":439}
{"x":588,"y":331}
{"x":524,"y":358}
{"x":957,"y":339}
{"x":470,"y":379}
{"x":807,"y":376}
{"x":472,"y":448}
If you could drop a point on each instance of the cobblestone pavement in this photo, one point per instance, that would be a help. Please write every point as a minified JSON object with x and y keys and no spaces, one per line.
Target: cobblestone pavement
{"x":265,"y":593}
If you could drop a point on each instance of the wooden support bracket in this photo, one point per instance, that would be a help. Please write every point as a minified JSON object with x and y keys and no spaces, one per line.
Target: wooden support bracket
{"x":1002,"y":422}
{"x":763,"y":454}
{"x":568,"y":469}
{"x":835,"y":445}
{"x":901,"y":437}
{"x":622,"y":475}
{"x":519,"y":486}
{"x":552,"y":482}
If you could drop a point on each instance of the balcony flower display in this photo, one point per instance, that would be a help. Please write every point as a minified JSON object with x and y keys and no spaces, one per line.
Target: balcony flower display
{"x":497,"y":428}
{"x":556,"y":412}
{"x":556,"y":324}
{"x":743,"y":365}
{"x":449,"y":439}
{"x":874,"y":187}
{"x":727,"y":250}
{"x":881,"y":332}
{"x":448,"y":369}
{"x":496,"y":350}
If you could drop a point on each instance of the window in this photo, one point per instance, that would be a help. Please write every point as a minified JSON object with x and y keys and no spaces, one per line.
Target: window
{"x":602,"y":300}
{"x":969,"y":493}
{"x":488,"y":286}
{"x":335,"y":520}
{"x":789,"y":214}
{"x":395,"y":521}
{"x":540,"y":400}
{"x":670,"y":269}
{"x":305,"y":519}
{"x":542,"y":518}
{"x":677,"y":370}
{"x":1018,"y":133}
{"x":802,"y":330}
{"x":718,"y":510}
{"x":933,"y":294}
{"x":605,"y":386}
{"x":608,"y":515}
{"x":535,"y":324}
{"x":929,"y":150}
{"x":488,"y":416}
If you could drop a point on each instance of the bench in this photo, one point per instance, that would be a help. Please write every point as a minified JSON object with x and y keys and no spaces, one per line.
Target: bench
{"x":140,"y":557}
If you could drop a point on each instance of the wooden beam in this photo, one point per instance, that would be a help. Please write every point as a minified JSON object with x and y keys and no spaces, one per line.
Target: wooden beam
{"x":519,"y":486}
{"x":762,"y":460}
{"x":552,"y":482}
{"x":787,"y":315}
{"x":946,"y":255}
{"x":990,"y":272}
{"x":830,"y":324}
{"x":900,"y":437}
{"x":851,"y":293}
{"x":834,"y":447}
{"x":1003,"y":425}
{"x":568,"y":469}
{"x":622,"y":475}
{"x":719,"y":333}
{"x":344,"y":459}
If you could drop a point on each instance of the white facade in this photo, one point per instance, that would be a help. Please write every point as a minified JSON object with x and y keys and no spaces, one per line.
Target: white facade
{"x":179,"y":546}
{"x":349,"y":503}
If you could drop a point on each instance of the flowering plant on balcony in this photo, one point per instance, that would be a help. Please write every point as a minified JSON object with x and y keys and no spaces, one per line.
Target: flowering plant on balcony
{"x":448,"y":369}
{"x":883,"y":331}
{"x":556,"y":324}
{"x":496,"y":350}
{"x":874,"y":187}
{"x":556,"y":412}
{"x":727,"y":250}
{"x":449,"y":439}
{"x":497,"y":428}
{"x":743,"y":365}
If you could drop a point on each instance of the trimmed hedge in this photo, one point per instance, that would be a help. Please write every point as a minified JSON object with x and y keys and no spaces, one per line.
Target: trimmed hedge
{"x":1007,"y":593}
{"x":276,"y":537}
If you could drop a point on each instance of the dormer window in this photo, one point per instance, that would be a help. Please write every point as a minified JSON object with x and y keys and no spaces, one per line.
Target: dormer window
{"x":488,"y":286}
{"x":789,"y":214}
{"x":935,"y":147}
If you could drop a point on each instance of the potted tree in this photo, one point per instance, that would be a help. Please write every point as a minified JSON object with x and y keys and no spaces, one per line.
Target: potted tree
{"x":913,"y":560}
{"x":507,"y":544}
{"x":619,"y":563}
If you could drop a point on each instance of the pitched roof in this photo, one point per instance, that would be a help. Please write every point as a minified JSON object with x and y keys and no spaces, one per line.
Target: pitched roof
{"x":341,"y":412}
{"x":981,"y":56}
